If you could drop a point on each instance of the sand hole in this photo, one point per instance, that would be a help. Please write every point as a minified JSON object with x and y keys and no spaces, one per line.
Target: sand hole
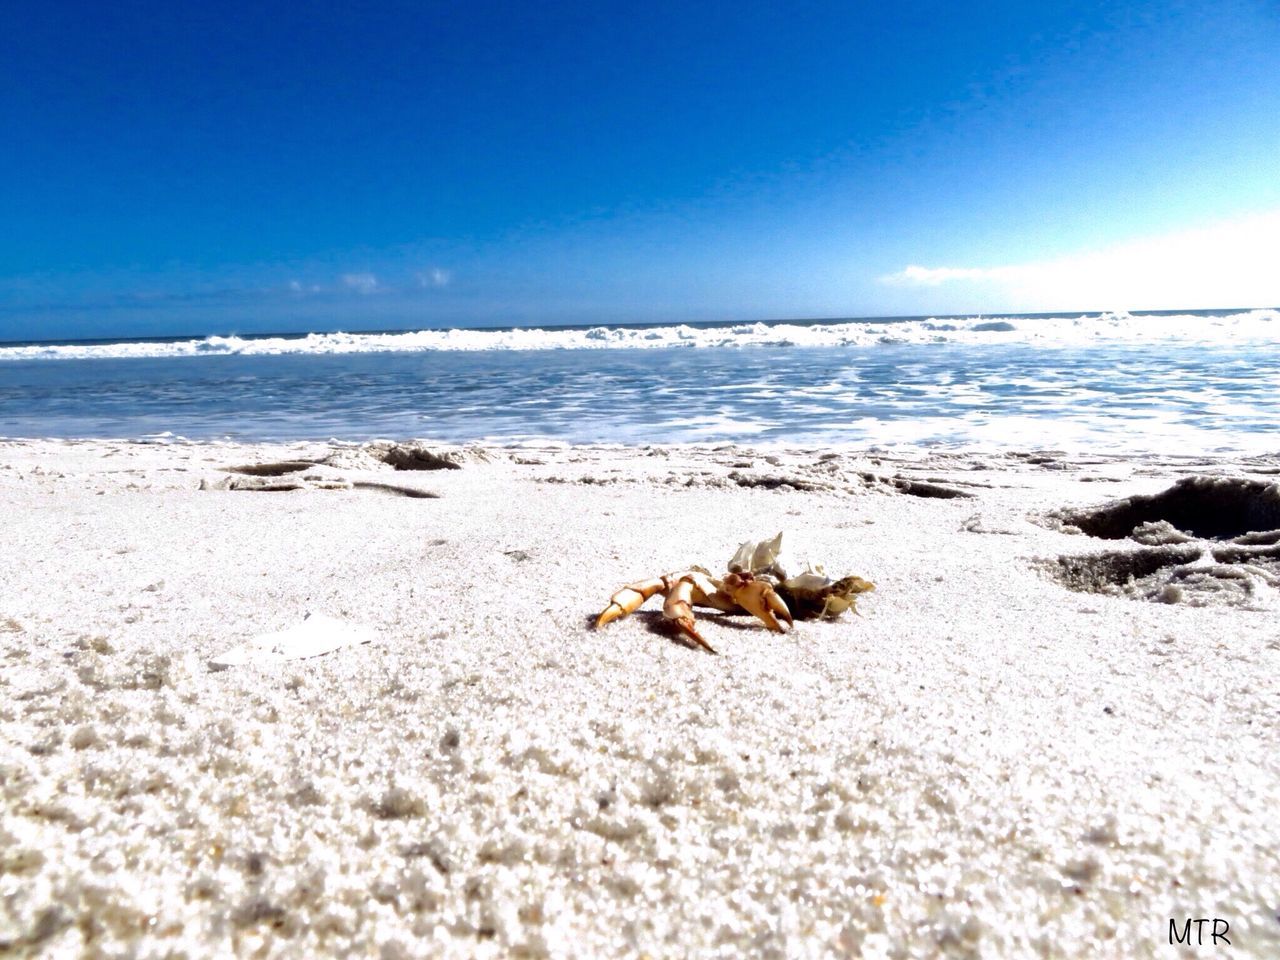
{"x":278,"y":469}
{"x":1215,"y":508}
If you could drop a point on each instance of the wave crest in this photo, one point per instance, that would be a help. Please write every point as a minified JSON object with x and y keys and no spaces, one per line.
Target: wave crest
{"x":1246,"y":326}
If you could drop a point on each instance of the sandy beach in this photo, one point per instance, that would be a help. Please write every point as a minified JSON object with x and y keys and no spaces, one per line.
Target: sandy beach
{"x":1043,"y":735}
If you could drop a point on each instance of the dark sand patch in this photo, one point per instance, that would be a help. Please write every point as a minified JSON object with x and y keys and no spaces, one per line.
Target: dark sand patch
{"x":914,"y":488}
{"x":1104,"y":572}
{"x":1230,"y":576}
{"x":401,"y":456}
{"x":1263,"y":558}
{"x":774,"y":481}
{"x":396,"y":490}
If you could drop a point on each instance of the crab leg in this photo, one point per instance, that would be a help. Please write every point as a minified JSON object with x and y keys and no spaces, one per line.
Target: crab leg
{"x":629,"y":598}
{"x":679,"y":608}
{"x":759,"y":598}
{"x":707,"y":592}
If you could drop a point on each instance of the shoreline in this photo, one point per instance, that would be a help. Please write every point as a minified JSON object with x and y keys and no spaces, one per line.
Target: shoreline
{"x":1013,"y":749}
{"x":1239,"y":457}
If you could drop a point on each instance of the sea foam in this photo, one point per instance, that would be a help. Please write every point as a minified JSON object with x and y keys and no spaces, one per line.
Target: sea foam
{"x":1066,"y":331}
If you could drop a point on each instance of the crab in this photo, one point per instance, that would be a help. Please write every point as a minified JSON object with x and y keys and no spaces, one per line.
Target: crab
{"x":756,"y":582}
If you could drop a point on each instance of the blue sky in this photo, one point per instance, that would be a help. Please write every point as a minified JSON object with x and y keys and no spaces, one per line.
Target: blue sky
{"x":174,"y":168}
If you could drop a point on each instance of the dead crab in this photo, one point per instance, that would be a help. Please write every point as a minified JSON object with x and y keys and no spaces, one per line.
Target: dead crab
{"x":757,"y":582}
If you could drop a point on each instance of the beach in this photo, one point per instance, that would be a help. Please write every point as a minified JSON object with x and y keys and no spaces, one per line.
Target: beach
{"x":1027,"y":741}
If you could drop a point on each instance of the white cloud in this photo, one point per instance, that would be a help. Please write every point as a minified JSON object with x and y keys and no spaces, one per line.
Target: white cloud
{"x":361,"y":282}
{"x":916,"y":276}
{"x":1236,"y":263}
{"x":435,"y":277}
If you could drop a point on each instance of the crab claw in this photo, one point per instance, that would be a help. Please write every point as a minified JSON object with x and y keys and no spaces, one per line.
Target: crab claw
{"x":759,"y":598}
{"x":628,"y":599}
{"x":679,"y":609}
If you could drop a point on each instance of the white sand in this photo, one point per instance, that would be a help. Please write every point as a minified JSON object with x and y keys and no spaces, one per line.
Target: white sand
{"x":984,"y":763}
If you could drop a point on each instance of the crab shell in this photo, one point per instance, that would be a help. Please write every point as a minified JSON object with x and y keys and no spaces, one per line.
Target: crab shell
{"x":809,"y":593}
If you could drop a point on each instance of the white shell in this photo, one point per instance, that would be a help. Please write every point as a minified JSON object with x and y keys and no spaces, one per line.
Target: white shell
{"x":811,"y":579}
{"x":765,"y":559}
{"x":759,"y":558}
{"x":314,"y":636}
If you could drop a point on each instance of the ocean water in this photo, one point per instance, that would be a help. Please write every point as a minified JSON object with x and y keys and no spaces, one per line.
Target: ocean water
{"x":1195,"y":382}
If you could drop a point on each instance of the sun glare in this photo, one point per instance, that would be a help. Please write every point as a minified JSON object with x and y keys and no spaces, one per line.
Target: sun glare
{"x":1234,"y":263}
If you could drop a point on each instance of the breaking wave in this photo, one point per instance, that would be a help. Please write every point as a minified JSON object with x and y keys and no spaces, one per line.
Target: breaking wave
{"x":1208,"y":328}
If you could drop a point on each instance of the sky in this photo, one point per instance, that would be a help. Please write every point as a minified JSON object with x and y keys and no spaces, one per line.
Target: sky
{"x":172,"y":169}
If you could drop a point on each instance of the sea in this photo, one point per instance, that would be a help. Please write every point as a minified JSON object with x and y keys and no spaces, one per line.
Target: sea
{"x":1172,"y":382}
